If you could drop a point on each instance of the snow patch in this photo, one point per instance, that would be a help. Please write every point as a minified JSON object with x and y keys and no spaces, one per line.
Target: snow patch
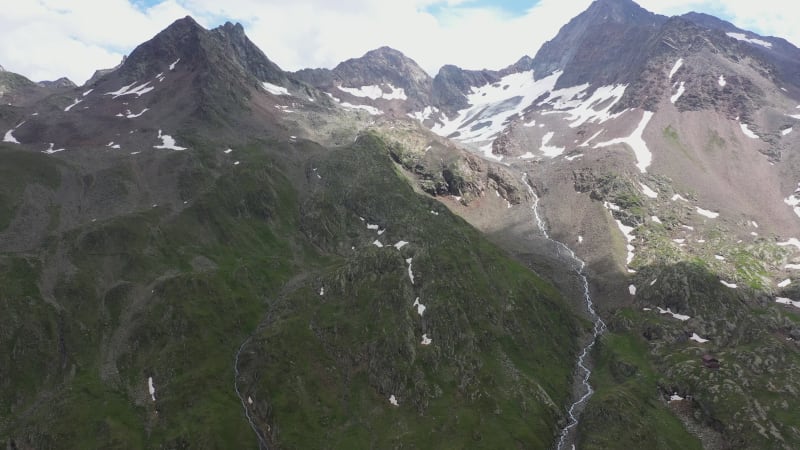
{"x":677,"y":197}
{"x":573,"y":157}
{"x":9,"y":137}
{"x":426,"y":340}
{"x":274,"y":89}
{"x":632,"y":289}
{"x":580,"y":111}
{"x":393,"y":400}
{"x":370,"y":109}
{"x":377,"y":243}
{"x":420,"y":307}
{"x":681,"y":90}
{"x":228,"y":151}
{"x":131,"y":90}
{"x":675,"y":68}
{"x":794,"y":201}
{"x":743,"y":37}
{"x":322,"y":291}
{"x":410,"y":273}
{"x":167,"y":142}
{"x":51,"y":150}
{"x":586,"y":144}
{"x":680,"y":317}
{"x":375,"y":92}
{"x":494,"y":105}
{"x":549,"y":150}
{"x":786,"y":131}
{"x":785,"y":283}
{"x":719,"y":257}
{"x":793,"y":241}
{"x":707,"y":213}
{"x":130,"y":115}
{"x":72,"y":105}
{"x":747,"y":132}
{"x":695,"y":337}
{"x":788,"y":301}
{"x":636,"y":143}
{"x":730,"y":285}
{"x":675,"y":398}
{"x":151,"y":388}
{"x":655,"y":219}
{"x":721,"y":81}
{"x":400,"y":244}
{"x":87,"y":92}
{"x":425,"y":114}
{"x":372,"y":227}
{"x":647,"y":191}
{"x":172,"y":66}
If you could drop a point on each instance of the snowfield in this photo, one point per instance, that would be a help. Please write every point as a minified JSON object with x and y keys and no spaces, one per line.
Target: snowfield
{"x":675,"y":68}
{"x":681,"y":90}
{"x":375,"y":92}
{"x":636,"y":142}
{"x":494,"y":106}
{"x":168,"y":143}
{"x":742,"y":37}
{"x":274,"y":89}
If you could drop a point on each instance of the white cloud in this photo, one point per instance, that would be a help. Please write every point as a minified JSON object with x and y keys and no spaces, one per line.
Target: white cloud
{"x":47,"y":39}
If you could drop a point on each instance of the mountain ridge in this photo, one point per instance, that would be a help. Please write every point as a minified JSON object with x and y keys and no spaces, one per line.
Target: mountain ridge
{"x":378,"y":256}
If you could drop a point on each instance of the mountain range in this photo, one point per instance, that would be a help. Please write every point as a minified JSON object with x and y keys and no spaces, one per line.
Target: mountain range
{"x":594,"y":246}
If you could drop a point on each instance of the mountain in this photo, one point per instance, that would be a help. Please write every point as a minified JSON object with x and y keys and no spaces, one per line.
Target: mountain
{"x":199,"y":249}
{"x":382,"y":81}
{"x":661,"y":150}
{"x":15,"y":89}
{"x":62,"y":82}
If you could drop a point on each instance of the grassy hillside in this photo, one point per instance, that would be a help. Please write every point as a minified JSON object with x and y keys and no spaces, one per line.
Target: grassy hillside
{"x":172,"y":292}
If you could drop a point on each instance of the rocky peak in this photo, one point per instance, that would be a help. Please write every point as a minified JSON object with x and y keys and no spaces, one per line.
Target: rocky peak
{"x":603,"y":45}
{"x":62,"y":82}
{"x":182,"y":39}
{"x":2,"y":69}
{"x":620,"y":11}
{"x":384,"y":65}
{"x":248,"y":55}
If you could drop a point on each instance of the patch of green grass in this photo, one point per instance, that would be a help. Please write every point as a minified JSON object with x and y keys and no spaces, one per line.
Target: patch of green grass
{"x":625,"y":411}
{"x":18,"y":169}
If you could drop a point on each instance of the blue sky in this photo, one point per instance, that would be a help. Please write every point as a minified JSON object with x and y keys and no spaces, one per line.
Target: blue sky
{"x":47,"y":39}
{"x":511,"y":7}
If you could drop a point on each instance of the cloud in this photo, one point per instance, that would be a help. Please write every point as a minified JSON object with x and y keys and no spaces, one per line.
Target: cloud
{"x":46,"y":39}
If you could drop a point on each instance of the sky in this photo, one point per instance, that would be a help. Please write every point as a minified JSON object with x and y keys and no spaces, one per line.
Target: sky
{"x":48,"y":39}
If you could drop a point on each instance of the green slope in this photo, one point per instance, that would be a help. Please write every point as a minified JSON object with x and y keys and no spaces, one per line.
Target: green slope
{"x":172,"y":293}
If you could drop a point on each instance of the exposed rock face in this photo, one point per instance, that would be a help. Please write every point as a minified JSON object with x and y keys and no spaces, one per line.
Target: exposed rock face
{"x":386,"y":68}
{"x":603,"y":45}
{"x":18,"y":90}
{"x":99,"y":73}
{"x":61,"y":83}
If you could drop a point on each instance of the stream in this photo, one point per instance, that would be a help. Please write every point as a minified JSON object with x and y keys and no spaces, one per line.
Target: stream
{"x":583,"y":390}
{"x":262,"y":444}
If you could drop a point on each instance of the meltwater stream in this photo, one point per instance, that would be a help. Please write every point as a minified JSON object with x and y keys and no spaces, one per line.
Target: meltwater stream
{"x":584,"y":390}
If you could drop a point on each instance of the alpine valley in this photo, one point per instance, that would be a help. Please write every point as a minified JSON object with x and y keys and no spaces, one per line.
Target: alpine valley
{"x":595,"y":247}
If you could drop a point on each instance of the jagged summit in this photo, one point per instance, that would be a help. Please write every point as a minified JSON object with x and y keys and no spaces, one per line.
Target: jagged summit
{"x":62,"y":82}
{"x":604,"y":44}
{"x":386,"y":73}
